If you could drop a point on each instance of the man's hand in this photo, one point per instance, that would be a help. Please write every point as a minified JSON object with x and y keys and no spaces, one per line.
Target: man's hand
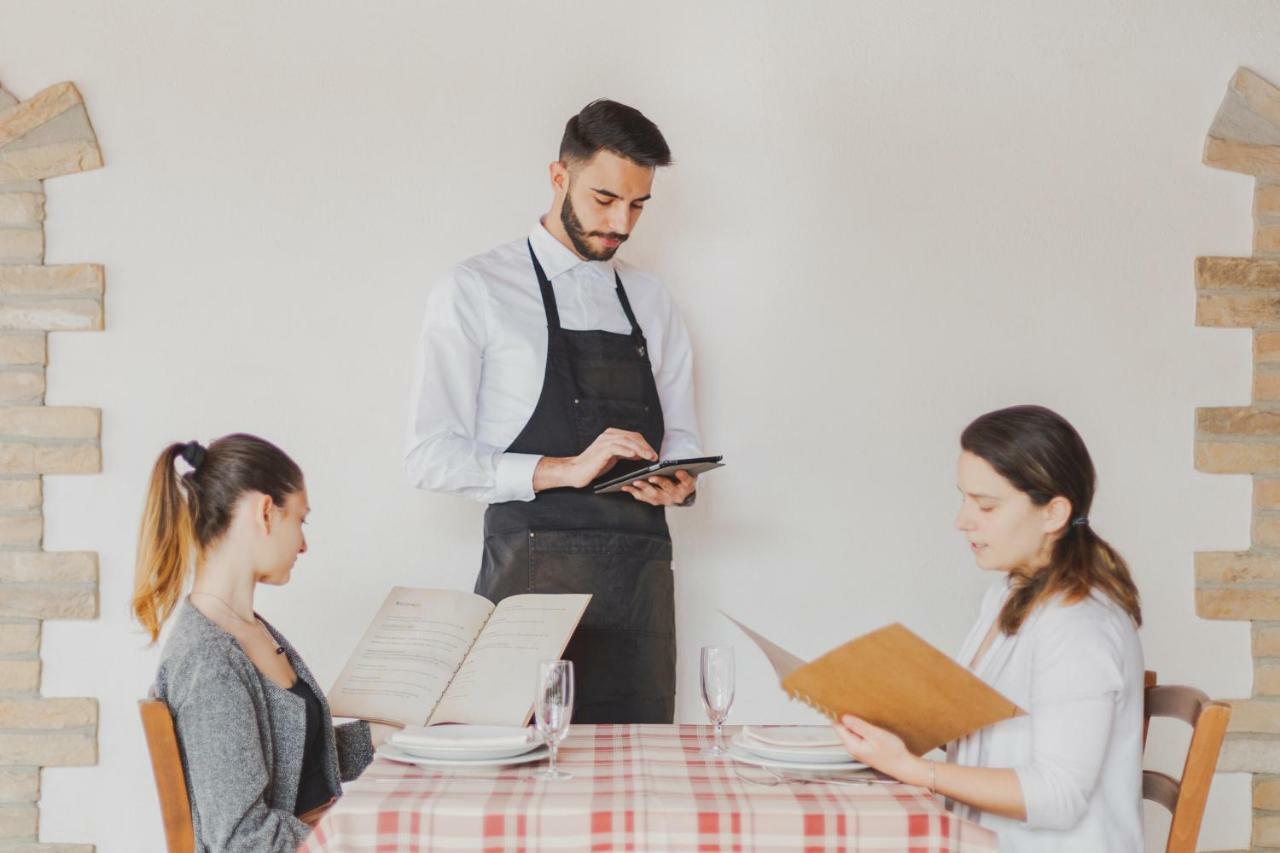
{"x":578,"y":471}
{"x":663,"y":491}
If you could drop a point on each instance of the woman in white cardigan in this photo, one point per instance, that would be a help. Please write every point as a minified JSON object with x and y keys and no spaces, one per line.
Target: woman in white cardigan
{"x":1057,"y":634}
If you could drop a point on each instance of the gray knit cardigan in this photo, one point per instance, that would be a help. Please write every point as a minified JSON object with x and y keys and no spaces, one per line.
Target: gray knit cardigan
{"x":241,"y":738}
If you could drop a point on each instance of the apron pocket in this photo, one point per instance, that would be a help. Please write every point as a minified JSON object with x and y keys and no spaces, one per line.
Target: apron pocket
{"x":628,"y":575}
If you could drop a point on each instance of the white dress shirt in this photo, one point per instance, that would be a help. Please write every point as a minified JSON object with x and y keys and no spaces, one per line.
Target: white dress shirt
{"x":1077,"y":671}
{"x":482,"y":357}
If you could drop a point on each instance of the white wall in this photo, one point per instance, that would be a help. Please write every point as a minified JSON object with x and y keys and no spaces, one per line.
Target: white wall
{"x":886,"y":218}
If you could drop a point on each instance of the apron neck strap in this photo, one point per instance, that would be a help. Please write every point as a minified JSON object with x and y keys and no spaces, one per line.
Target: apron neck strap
{"x":626,"y":308}
{"x":548,"y":295}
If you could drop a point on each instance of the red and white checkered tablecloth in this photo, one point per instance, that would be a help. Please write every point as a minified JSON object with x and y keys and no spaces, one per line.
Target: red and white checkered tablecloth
{"x":640,"y":788}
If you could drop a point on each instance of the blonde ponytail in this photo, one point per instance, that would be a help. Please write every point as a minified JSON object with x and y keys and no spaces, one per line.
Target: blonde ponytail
{"x":166,"y":544}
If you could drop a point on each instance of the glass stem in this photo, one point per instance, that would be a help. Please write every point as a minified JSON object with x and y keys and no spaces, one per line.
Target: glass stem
{"x":719,"y":727}
{"x":554,"y":746}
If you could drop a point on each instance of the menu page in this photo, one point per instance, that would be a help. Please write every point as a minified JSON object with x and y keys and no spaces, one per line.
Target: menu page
{"x":408,"y":655}
{"x":495,"y":685}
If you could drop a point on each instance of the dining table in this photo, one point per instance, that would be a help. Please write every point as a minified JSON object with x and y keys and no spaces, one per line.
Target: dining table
{"x":636,"y":788}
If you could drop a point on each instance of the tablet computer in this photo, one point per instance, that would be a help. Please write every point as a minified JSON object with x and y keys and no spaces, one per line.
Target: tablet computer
{"x":663,"y":468}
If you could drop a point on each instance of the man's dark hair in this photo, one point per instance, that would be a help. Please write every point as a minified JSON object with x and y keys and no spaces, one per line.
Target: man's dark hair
{"x":610,"y":126}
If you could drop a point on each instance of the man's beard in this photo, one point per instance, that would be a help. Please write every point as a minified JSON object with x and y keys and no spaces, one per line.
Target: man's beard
{"x":578,"y":235}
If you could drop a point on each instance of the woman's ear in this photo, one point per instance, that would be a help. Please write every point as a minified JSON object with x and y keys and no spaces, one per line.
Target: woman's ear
{"x":262,"y":512}
{"x":1057,"y":512}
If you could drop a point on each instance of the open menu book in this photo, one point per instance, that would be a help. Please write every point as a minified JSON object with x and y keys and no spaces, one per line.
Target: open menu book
{"x":895,"y":680}
{"x":439,"y":656}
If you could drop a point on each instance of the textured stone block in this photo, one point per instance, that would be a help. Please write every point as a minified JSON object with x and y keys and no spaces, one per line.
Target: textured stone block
{"x":37,"y":847}
{"x":21,"y":245}
{"x":1247,"y":754}
{"x":1266,"y":238}
{"x":1233,"y":309}
{"x":1226,"y":154}
{"x":60,"y":749}
{"x":1238,"y":420}
{"x":43,"y":107}
{"x":51,"y":315}
{"x":1266,"y":199}
{"x":1266,"y":640}
{"x":19,"y":784}
{"x":24,"y":530}
{"x":1219,"y":273}
{"x":19,"y":638}
{"x":1266,"y":831}
{"x":1266,"y":493}
{"x":47,"y":135}
{"x":19,"y":494}
{"x":49,"y":567}
{"x":1238,"y":603}
{"x":1266,"y":384}
{"x":50,"y":422}
{"x":30,"y":348}
{"x":1266,"y":531}
{"x":1260,"y":96}
{"x":1228,"y":567}
{"x":22,"y":385}
{"x":19,"y":676}
{"x":1256,"y":716}
{"x":21,"y":210}
{"x":48,"y":714}
{"x":18,"y":821}
{"x":49,"y":161}
{"x":1266,"y":793}
{"x":1266,"y":680}
{"x":60,"y":281}
{"x":49,"y":601}
{"x":1231,"y":457}
{"x":22,"y":458}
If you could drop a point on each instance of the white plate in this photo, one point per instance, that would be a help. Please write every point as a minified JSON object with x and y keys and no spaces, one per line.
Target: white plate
{"x":812,"y":755}
{"x":793,"y":737}
{"x":737,"y":753}
{"x":465,"y":753}
{"x":465,"y":737}
{"x":394,"y":753}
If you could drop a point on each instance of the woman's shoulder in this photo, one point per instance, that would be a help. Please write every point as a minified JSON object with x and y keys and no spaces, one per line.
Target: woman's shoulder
{"x":198,"y":659}
{"x":1093,"y":620}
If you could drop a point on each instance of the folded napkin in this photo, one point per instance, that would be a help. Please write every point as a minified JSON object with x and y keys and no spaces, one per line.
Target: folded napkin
{"x":793,"y":737}
{"x":463,"y":737}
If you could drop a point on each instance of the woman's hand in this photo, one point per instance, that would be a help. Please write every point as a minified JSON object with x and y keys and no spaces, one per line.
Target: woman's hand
{"x":882,"y":750}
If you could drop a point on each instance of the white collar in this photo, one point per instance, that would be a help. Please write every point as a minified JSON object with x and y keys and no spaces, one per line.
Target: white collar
{"x":557,"y":258}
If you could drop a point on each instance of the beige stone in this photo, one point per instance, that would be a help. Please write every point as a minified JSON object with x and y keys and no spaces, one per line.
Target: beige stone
{"x":1266,"y":831}
{"x":1266,"y":493}
{"x":71,"y":126}
{"x":1226,"y":273}
{"x":49,"y":161}
{"x":19,"y":638}
{"x":41,"y":108}
{"x":26,"y":348}
{"x":23,"y":493}
{"x":1257,"y":716}
{"x":1260,"y":96}
{"x":49,"y":422}
{"x":19,"y":676}
{"x":37,"y":847}
{"x":60,"y":749}
{"x":1228,"y":457}
{"x":1266,"y":640}
{"x":60,"y":281}
{"x":1228,"y":310}
{"x":60,"y":315}
{"x":49,"y":601}
{"x":18,"y":821}
{"x":1266,"y":531}
{"x":1224,"y":602}
{"x":19,"y":784}
{"x":1219,"y":153}
{"x":1226,"y":567}
{"x":48,"y":567}
{"x":1266,"y":238}
{"x":21,"y":530}
{"x":48,"y":714}
{"x":1266,"y":793}
{"x":21,"y":245}
{"x":22,"y":386}
{"x":1266,"y":680}
{"x":1266,"y":384}
{"x":21,"y":210}
{"x":68,"y":459}
{"x":1249,"y":754}
{"x":1238,"y":420}
{"x":1266,"y":199}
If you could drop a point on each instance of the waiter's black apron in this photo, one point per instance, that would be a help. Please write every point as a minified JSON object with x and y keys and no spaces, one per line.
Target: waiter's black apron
{"x":570,"y":540}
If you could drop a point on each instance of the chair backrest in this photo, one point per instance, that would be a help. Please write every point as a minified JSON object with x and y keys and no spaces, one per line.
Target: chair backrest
{"x":1185,"y":797}
{"x":171,"y":784}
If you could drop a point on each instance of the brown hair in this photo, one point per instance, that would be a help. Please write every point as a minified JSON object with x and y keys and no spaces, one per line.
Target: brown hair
{"x":185,"y":513}
{"x":1043,"y":456}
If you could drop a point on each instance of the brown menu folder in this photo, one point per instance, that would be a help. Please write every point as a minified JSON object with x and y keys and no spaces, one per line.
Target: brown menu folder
{"x":892,"y":679}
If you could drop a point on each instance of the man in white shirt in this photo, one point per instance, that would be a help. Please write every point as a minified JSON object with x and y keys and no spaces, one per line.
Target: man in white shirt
{"x":542,"y":366}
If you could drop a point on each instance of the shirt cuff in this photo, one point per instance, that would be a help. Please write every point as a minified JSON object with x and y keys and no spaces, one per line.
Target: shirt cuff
{"x":513,"y":480}
{"x":689,"y":501}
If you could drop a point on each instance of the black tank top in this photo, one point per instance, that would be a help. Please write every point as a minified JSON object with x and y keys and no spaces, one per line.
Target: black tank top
{"x":313,"y":787}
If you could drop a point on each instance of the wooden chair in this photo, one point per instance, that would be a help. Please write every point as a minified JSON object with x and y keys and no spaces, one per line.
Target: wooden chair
{"x":171,"y":784}
{"x":1185,"y":797}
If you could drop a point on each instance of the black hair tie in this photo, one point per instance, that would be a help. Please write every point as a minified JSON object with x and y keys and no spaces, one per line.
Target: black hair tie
{"x":1082,"y":521}
{"x":193,"y":453}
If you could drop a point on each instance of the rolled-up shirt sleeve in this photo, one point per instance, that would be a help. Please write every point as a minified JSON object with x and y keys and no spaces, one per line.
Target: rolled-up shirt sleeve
{"x":441,"y":453}
{"x":1076,"y":682}
{"x":674,"y":380}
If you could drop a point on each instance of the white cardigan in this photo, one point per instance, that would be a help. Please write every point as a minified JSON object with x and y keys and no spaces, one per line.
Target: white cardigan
{"x":1077,"y":671}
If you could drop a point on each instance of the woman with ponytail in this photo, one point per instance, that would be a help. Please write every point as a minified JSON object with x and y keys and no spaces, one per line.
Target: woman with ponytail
{"x":259,"y":750}
{"x":1057,"y":634}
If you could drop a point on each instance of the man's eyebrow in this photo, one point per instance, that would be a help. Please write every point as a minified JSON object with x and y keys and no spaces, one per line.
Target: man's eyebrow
{"x":604,"y":192}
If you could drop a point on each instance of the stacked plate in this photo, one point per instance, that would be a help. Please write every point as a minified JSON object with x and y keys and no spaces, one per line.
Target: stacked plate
{"x":816,"y":748}
{"x":464,"y":746}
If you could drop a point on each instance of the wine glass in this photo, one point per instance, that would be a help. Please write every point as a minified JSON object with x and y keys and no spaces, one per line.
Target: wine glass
{"x":552,"y":708}
{"x":717,"y":691}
